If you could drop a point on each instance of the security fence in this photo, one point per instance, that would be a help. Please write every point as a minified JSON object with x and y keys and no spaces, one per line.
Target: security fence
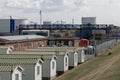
{"x":105,"y":45}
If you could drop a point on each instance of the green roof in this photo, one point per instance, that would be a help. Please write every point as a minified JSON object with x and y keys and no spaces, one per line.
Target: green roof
{"x":41,"y":52}
{"x":33,"y":52}
{"x":19,"y":61}
{"x":27,"y":56}
{"x":8,"y":68}
{"x":48,"y":49}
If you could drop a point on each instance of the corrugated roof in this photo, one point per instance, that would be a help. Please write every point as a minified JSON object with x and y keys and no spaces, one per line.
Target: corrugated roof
{"x":59,"y":48}
{"x":27,"y":57}
{"x":57,"y":53}
{"x":3,"y":47}
{"x":45,"y":49}
{"x":52,"y":52}
{"x":22,"y":37}
{"x":8,"y":68}
{"x":33,"y":52}
{"x":18,"y":61}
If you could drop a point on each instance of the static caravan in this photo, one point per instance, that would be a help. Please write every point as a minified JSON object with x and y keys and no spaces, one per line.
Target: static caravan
{"x":32,"y":68}
{"x":10,"y":72}
{"x":62,"y":62}
{"x":81,"y":55}
{"x":89,"y":53}
{"x":73,"y":59}
{"x":48,"y":66}
{"x":6,"y":49}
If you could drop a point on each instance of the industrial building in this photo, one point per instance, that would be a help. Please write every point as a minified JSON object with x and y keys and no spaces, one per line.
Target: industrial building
{"x":22,"y":42}
{"x":36,"y":32}
{"x":10,"y":25}
{"x":64,"y":42}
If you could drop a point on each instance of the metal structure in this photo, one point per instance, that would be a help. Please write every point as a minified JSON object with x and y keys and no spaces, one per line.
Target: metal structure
{"x":61,"y":26}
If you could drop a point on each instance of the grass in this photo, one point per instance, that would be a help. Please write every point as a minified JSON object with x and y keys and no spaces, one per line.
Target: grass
{"x":111,"y":74}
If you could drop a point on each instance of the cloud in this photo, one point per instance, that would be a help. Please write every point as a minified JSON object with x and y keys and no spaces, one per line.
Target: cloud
{"x":22,"y":4}
{"x":53,"y":5}
{"x":45,"y":5}
{"x":80,"y":2}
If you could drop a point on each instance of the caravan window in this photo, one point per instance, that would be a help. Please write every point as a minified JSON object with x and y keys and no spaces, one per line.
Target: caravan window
{"x":66,"y":61}
{"x":53,"y":65}
{"x":38,"y":70}
{"x":16,"y":76}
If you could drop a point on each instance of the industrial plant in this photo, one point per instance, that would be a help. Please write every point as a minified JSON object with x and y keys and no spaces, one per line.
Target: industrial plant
{"x":31,"y":51}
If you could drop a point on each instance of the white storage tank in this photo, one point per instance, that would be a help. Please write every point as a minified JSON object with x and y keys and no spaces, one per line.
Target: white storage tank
{"x":88,"y":20}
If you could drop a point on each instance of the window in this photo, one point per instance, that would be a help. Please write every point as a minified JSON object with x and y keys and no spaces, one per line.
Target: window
{"x":66,"y":61}
{"x":38,"y":70}
{"x":16,"y":76}
{"x":75,"y":57}
{"x":53,"y":65}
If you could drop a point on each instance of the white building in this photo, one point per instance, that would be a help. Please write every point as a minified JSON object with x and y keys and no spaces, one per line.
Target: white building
{"x":32,"y":68}
{"x":10,"y":72}
{"x":10,"y":25}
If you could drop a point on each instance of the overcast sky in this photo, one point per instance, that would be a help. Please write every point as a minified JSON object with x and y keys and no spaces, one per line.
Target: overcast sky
{"x":106,"y":11}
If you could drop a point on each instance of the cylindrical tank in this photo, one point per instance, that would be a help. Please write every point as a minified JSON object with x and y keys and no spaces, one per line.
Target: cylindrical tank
{"x":84,"y":42}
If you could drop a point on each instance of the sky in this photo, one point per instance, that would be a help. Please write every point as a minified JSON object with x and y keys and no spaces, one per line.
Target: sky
{"x":105,"y":11}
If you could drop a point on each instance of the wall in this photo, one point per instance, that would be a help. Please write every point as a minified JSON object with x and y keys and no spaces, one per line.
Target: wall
{"x":3,"y":50}
{"x":28,"y":72}
{"x":4,"y":25}
{"x":76,"y":43}
{"x":46,"y":68}
{"x":25,"y":45}
{"x":60,"y":63}
{"x":71,"y":59}
{"x":5,"y":76}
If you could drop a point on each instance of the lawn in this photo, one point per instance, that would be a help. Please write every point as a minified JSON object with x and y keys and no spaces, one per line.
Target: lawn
{"x":113,"y":73}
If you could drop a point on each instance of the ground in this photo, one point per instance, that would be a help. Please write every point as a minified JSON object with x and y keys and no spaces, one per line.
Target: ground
{"x":102,"y":67}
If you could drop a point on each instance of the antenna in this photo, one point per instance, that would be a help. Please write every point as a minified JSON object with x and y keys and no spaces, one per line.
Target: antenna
{"x":73,"y":21}
{"x":40,"y":17}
